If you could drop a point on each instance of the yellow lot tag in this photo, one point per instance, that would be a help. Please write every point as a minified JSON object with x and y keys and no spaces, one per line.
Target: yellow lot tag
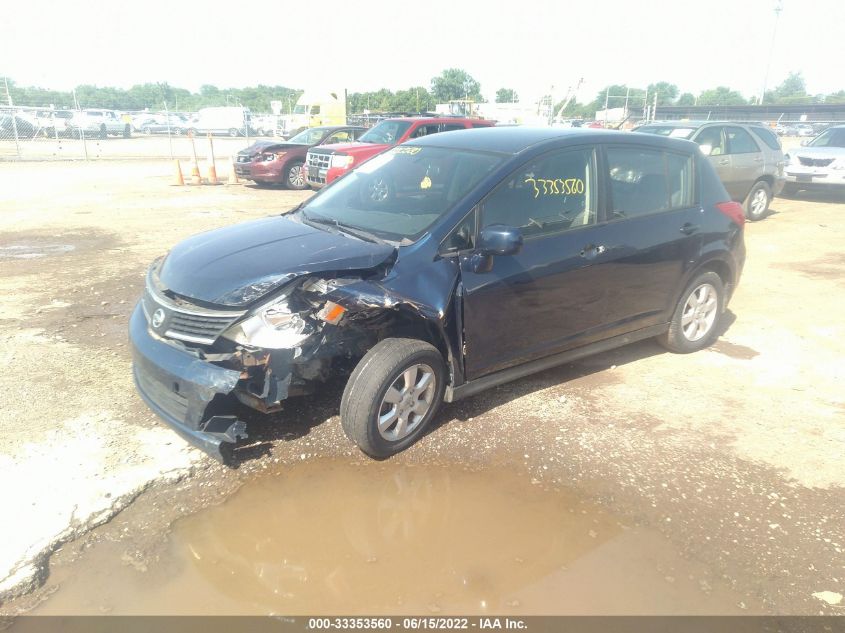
{"x":426,"y":183}
{"x":407,"y":150}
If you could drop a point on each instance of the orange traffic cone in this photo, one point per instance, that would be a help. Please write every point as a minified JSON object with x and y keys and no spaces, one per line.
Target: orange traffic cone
{"x":212,"y":175}
{"x":196,"y":179}
{"x":233,"y":175}
{"x":177,"y":174}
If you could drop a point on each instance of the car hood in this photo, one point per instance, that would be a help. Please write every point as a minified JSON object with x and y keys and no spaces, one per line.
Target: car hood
{"x":818,"y":152}
{"x":240,"y":264}
{"x":351,"y":148}
{"x":257,"y":147}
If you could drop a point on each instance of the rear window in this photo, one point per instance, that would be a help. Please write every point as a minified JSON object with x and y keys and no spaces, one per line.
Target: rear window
{"x":767,"y":136}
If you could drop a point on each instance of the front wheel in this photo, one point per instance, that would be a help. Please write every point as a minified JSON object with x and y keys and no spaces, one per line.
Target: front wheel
{"x":392,"y":395}
{"x":294,"y":178}
{"x":757,"y":202}
{"x":694,"y":323}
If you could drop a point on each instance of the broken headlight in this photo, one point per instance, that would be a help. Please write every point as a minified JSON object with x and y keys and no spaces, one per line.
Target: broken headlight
{"x":273,"y":325}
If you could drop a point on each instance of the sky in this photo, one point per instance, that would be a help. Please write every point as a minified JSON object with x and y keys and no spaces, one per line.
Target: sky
{"x":533,"y":46}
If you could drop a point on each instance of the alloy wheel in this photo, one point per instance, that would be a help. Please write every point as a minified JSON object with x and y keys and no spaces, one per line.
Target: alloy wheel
{"x":700,"y":312}
{"x":406,"y":402}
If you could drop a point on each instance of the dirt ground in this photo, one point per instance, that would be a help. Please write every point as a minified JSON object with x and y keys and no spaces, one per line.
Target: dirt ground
{"x":735,"y":454}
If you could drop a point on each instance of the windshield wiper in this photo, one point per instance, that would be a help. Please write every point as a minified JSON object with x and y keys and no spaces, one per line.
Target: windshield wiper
{"x":344,"y":228}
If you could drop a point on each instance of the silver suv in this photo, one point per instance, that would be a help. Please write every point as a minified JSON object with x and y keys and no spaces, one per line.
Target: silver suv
{"x":747,"y":157}
{"x":818,"y":164}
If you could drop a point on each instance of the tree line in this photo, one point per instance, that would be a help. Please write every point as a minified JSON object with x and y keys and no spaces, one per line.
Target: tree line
{"x":451,"y":84}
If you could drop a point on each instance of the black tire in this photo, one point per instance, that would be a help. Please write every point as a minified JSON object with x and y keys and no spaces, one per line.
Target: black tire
{"x":127,"y":131}
{"x":755,"y":209}
{"x":263,"y":184}
{"x":363,"y":397}
{"x":675,"y":339}
{"x":291,"y":181}
{"x":233,"y":132}
{"x":103,"y":132}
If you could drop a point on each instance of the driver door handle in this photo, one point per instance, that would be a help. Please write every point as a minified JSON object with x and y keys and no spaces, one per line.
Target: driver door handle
{"x":593,"y":250}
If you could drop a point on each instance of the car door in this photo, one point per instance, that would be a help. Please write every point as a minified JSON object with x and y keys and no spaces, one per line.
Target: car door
{"x":551,"y":295}
{"x":747,"y":161}
{"x":712,"y":139}
{"x":653,"y":231}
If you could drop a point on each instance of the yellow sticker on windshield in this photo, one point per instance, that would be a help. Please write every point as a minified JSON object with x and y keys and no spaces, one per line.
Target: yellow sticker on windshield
{"x":426,"y":183}
{"x":407,"y":150}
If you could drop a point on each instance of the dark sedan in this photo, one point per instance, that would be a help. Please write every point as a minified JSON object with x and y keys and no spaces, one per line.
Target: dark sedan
{"x":280,"y":162}
{"x":442,"y":267}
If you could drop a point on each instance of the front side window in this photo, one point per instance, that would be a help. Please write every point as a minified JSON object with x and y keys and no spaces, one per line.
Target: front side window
{"x":451,"y":127}
{"x":399,"y":194}
{"x":645,"y":181}
{"x":386,"y":132}
{"x":712,"y":137}
{"x":740,"y":141}
{"x":308,"y":137}
{"x":554,"y":193}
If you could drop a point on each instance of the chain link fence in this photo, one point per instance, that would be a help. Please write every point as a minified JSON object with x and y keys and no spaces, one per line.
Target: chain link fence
{"x":91,"y":134}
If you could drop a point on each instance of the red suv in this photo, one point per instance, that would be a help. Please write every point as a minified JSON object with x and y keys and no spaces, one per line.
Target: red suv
{"x":328,"y":162}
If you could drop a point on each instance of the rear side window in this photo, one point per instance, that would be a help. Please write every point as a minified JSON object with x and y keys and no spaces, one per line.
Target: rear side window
{"x":425,"y":130}
{"x":451,"y":127}
{"x":551,"y":194}
{"x":740,"y":141}
{"x":767,"y":136}
{"x":645,"y":181}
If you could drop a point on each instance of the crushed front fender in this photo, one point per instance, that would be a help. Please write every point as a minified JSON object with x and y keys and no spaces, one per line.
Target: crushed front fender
{"x":180,"y":386}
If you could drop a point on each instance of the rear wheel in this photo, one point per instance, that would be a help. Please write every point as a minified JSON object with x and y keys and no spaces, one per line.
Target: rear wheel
{"x":294,"y":178}
{"x":695,"y":321}
{"x":392,"y":395}
{"x":757,"y":202}
{"x":233,"y":132}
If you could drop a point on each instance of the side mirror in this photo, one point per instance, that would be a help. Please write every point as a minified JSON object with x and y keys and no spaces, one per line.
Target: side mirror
{"x":498,"y":239}
{"x":706,"y":149}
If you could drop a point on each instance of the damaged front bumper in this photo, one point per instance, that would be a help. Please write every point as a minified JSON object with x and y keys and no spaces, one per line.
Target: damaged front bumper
{"x":180,"y":388}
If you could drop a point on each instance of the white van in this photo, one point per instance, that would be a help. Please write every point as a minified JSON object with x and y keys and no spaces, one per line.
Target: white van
{"x":231,"y":120}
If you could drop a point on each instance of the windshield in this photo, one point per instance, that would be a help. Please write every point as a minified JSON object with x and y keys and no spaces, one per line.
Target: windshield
{"x":834,"y":137}
{"x":386,"y":132}
{"x":309,"y":137}
{"x":667,"y":130}
{"x":398,"y":195}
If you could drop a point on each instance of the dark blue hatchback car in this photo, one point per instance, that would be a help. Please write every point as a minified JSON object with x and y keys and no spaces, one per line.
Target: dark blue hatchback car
{"x":439,"y":268}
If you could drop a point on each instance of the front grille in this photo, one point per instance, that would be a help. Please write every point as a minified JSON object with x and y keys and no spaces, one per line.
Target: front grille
{"x":321,"y":161}
{"x":185,"y":322}
{"x":815,"y":162}
{"x":197,"y":329}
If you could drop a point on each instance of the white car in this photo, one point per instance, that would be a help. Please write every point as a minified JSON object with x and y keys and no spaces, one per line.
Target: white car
{"x":99,"y":123}
{"x":818,"y":164}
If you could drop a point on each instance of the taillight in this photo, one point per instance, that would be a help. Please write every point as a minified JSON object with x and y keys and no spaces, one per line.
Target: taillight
{"x":734,"y":211}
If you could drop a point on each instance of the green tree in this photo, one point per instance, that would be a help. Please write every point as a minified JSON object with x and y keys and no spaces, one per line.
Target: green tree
{"x":793,"y":89}
{"x":454,"y":83}
{"x":506,"y":95}
{"x":721,"y":96}
{"x":835,"y":97}
{"x":666,"y":93}
{"x":686,"y":99}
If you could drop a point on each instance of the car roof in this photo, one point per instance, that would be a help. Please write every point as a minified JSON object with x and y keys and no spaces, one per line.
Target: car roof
{"x":697,"y":124}
{"x":437,"y":119}
{"x":516,"y":139}
{"x":332,"y":128}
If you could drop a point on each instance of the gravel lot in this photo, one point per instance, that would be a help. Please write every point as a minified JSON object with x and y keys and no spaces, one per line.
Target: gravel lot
{"x":735,"y":453}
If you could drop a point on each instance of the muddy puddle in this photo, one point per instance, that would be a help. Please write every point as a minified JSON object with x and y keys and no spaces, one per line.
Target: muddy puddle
{"x":326,"y":537}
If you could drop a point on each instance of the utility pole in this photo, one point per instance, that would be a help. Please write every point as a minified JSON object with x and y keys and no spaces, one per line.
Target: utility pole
{"x":778,"y":9}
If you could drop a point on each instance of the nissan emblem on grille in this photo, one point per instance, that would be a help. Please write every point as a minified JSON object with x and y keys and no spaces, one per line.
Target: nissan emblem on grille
{"x":158,"y":318}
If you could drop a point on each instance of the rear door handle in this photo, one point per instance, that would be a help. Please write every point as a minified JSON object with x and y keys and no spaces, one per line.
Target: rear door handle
{"x":689,"y":228}
{"x":592,"y":251}
{"x":724,"y":161}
